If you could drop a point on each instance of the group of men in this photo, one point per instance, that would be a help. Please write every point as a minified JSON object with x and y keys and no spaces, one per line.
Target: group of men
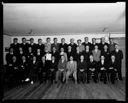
{"x":60,"y":61}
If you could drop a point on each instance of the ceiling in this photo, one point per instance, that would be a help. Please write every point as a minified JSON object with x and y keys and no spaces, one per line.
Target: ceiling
{"x":51,"y":18}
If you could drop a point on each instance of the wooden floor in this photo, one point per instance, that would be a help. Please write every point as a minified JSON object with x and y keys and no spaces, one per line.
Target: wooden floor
{"x":68,"y":91}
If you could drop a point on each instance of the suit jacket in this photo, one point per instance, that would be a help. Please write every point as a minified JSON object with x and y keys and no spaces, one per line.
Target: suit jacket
{"x":92,"y":65}
{"x":56,"y":46}
{"x":111,"y":47}
{"x":96,"y":55}
{"x":101,"y":46}
{"x":112,"y":64}
{"x":101,"y":65}
{"x":86,"y":55}
{"x":85,"y":44}
{"x":34,"y":68}
{"x":118,"y":56}
{"x":56,"y":55}
{"x":33,"y":46}
{"x":106,"y":54}
{"x":62,"y":65}
{"x":41,"y":47}
{"x":53,"y":65}
{"x":81,"y":47}
{"x":25,"y":47}
{"x":73,"y":46}
{"x":70,"y":54}
{"x":82,"y":65}
{"x":15,"y":47}
{"x":23,"y":65}
{"x":9,"y":58}
{"x":77,"y":56}
{"x":93,"y":45}
{"x":65,"y":46}
{"x":72,"y":66}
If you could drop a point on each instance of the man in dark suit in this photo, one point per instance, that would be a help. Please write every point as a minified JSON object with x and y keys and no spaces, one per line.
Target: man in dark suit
{"x":86,"y":42}
{"x":34,"y":70}
{"x":32,"y":45}
{"x":55,"y":44}
{"x":40,"y":46}
{"x":70,"y":53}
{"x":55,"y":53}
{"x":112,"y":69}
{"x":92,"y":70}
{"x":15,"y":45}
{"x":73,"y":45}
{"x":63,"y":45}
{"x":24,"y":45}
{"x":93,"y":44}
{"x":102,"y":43}
{"x":53,"y":69}
{"x":118,"y":57}
{"x":82,"y":69}
{"x":102,"y":65}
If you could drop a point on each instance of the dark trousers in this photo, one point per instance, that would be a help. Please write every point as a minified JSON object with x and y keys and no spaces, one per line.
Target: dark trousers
{"x":112,"y":75}
{"x":119,"y":72}
{"x":51,"y":75}
{"x":81,"y":76}
{"x":92,"y":75}
{"x":103,"y":75}
{"x":43,"y":76}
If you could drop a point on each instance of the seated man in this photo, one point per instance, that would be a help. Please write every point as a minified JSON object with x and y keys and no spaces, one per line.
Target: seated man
{"x":103,"y":69}
{"x":92,"y":70}
{"x":15,"y":70}
{"x":82,"y":69}
{"x":61,"y":69}
{"x":24,"y":69}
{"x":71,"y":69}
{"x":112,"y":69}
{"x":34,"y":70}
{"x":53,"y":69}
{"x":42,"y":73}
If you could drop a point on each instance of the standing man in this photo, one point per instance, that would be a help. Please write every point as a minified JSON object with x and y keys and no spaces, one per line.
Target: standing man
{"x":118,"y":58}
{"x":63,"y":45}
{"x":55,"y":44}
{"x":24,"y":45}
{"x":73,"y":45}
{"x":40,"y":46}
{"x":15,"y":45}
{"x":86,"y":43}
{"x":48,"y":44}
{"x":102,"y":43}
{"x":32,"y":45}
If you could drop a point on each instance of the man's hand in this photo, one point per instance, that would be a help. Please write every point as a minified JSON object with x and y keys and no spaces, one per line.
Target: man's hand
{"x":111,"y":68}
{"x":81,"y":70}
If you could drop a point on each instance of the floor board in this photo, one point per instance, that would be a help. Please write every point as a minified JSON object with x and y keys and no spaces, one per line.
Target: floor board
{"x":68,"y":91}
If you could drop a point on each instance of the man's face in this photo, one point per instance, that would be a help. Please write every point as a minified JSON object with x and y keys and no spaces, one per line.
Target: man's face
{"x":63,"y":40}
{"x":15,"y":41}
{"x":40,"y":41}
{"x":71,"y":40}
{"x":48,"y":40}
{"x":103,"y":39}
{"x":86,"y":39}
{"x":24,"y":41}
{"x":55,"y":40}
{"x":32,"y":41}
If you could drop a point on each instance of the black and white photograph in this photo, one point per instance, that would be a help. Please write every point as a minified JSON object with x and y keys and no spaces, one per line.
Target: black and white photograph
{"x":64,"y":51}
